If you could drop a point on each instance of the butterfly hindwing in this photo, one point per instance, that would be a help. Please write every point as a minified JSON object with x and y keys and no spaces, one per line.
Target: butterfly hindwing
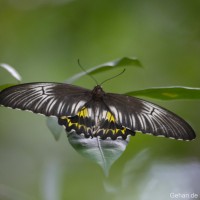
{"x":95,"y":119}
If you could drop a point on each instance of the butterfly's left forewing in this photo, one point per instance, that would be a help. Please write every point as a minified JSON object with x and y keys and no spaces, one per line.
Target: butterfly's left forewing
{"x":50,"y":99}
{"x":142,"y":116}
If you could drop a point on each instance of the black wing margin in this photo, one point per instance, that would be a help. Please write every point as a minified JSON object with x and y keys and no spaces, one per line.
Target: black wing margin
{"x":148,"y":118}
{"x":50,"y":99}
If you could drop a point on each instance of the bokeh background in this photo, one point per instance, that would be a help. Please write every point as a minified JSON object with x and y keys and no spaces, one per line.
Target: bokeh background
{"x":43,"y":39}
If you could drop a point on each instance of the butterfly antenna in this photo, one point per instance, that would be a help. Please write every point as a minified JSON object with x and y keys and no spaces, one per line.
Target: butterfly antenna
{"x":113,"y":77}
{"x":88,"y":73}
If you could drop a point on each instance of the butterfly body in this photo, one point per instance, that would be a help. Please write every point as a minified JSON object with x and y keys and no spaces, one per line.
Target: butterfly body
{"x":96,"y":113}
{"x":95,"y":118}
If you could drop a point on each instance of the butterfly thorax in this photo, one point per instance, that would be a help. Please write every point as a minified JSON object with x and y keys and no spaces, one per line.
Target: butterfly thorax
{"x":97,"y":93}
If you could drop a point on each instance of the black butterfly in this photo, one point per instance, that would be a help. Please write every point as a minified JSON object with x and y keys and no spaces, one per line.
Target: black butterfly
{"x":96,"y":113}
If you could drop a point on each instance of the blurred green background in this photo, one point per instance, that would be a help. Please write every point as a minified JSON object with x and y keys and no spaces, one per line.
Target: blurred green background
{"x":43,"y":39}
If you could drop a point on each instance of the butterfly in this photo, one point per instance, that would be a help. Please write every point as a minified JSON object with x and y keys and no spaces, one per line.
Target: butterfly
{"x":95,"y":113}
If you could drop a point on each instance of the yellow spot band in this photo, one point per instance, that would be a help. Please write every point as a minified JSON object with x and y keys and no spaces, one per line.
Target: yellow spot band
{"x":83,"y":112}
{"x":110,"y":117}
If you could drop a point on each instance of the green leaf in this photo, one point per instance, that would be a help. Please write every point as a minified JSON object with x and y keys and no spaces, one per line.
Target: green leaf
{"x":102,"y":152}
{"x":168,"y":93}
{"x":54,"y":127}
{"x":12,"y":71}
{"x":2,"y":87}
{"x":122,"y":62}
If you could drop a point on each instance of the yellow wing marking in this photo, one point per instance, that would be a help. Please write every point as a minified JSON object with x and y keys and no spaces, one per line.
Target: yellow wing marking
{"x":69,"y":121}
{"x":116,"y":131}
{"x":110,"y":117}
{"x":83,"y":112}
{"x":76,"y":124}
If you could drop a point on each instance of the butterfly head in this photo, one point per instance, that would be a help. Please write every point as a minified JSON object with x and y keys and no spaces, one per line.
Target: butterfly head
{"x":97,"y":93}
